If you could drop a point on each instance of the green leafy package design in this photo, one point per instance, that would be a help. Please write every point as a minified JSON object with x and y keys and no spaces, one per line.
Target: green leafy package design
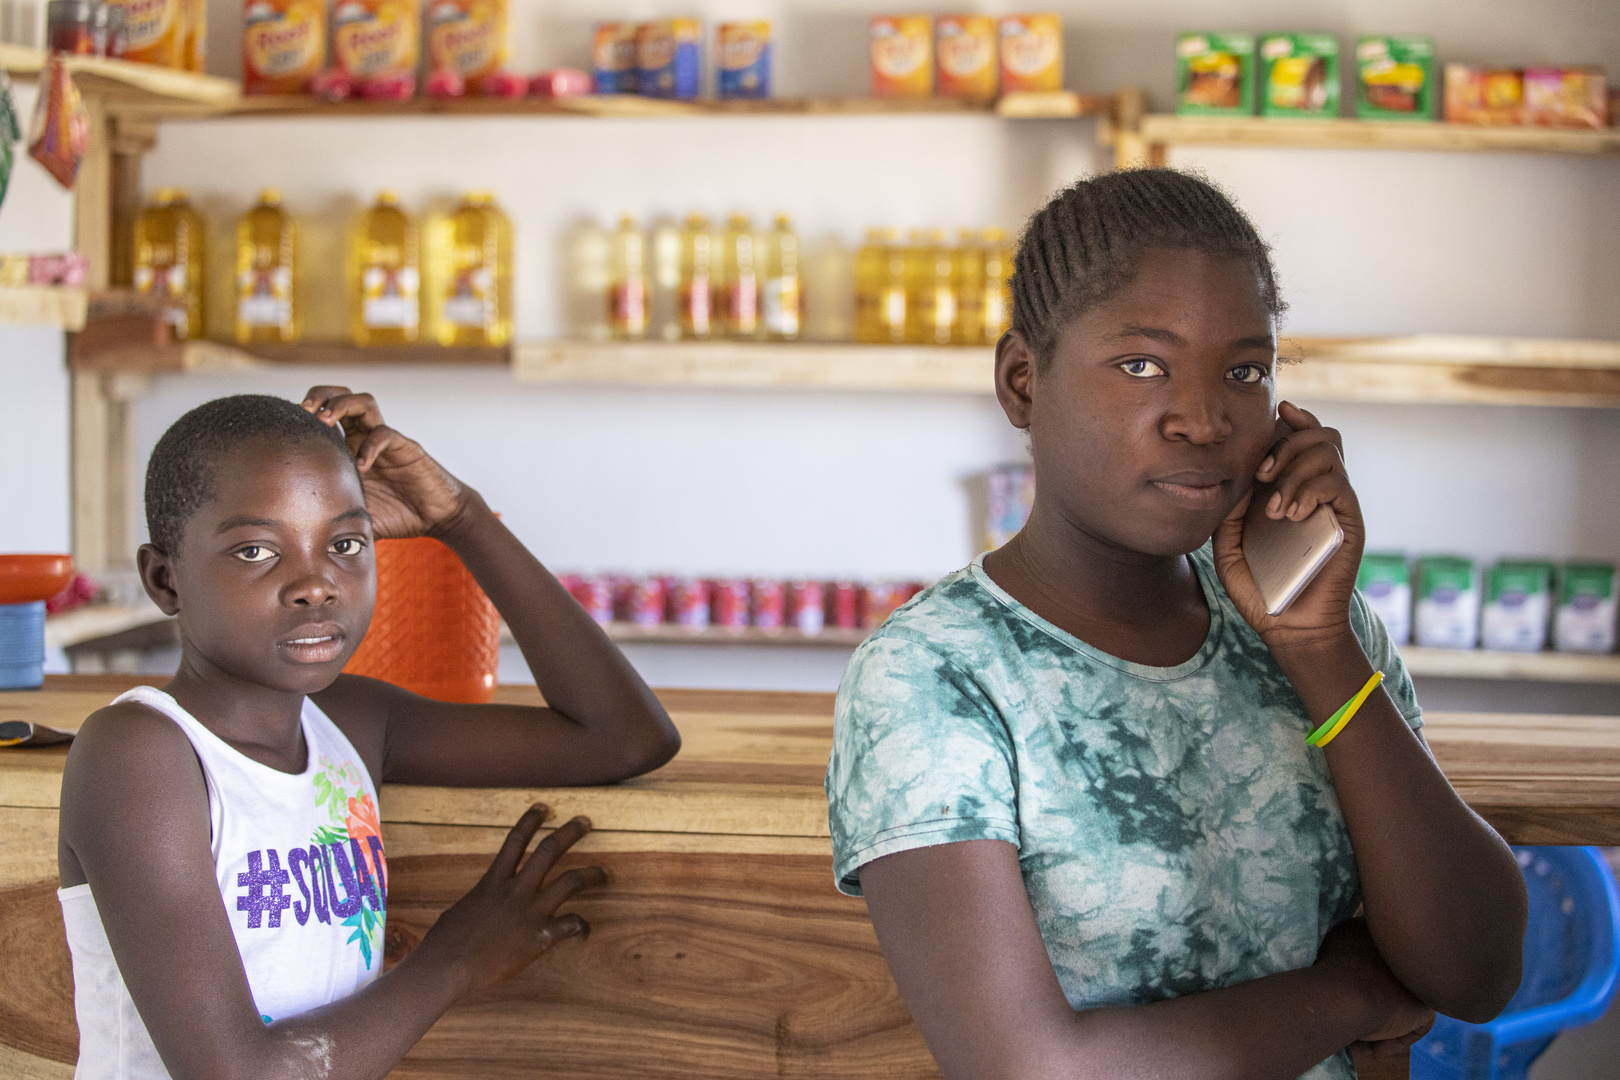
{"x":1395,"y":78}
{"x":1299,"y":75}
{"x":1215,"y":74}
{"x":1510,"y":575}
{"x":1383,"y":567}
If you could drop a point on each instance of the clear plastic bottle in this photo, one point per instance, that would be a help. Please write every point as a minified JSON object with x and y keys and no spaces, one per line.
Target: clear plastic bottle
{"x":664,"y":301}
{"x":469,"y":260}
{"x":998,"y":272}
{"x":266,"y":261}
{"x":930,"y":295}
{"x":880,"y":289}
{"x":739,"y":278}
{"x":829,"y":291}
{"x":585,"y":282}
{"x":385,"y":276}
{"x":170,"y":241}
{"x":699,"y":255}
{"x":627,"y":282}
{"x":782,"y":293}
{"x":967,"y":282}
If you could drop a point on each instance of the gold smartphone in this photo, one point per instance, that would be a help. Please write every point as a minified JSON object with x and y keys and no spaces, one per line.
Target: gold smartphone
{"x":1285,"y":555}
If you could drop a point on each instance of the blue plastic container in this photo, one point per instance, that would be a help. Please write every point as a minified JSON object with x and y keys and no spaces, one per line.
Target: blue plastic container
{"x":1571,"y":972}
{"x":22,"y":646}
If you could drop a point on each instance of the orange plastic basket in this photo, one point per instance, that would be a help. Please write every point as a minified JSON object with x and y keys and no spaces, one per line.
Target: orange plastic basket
{"x":434,"y":632}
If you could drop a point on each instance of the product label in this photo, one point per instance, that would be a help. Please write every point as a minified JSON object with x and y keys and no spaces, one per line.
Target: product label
{"x":1215,"y":73}
{"x":1518,"y":603}
{"x":470,"y":302}
{"x":630,"y":304}
{"x":390,"y":297}
{"x":150,"y":26}
{"x":781,"y":306}
{"x":965,"y":47}
{"x":667,"y":58}
{"x":375,"y":38}
{"x":744,"y":59}
{"x":467,"y":36}
{"x":1447,"y":610}
{"x":1385,"y":583}
{"x":1301,"y":74}
{"x":283,"y":45}
{"x":265,"y":296}
{"x":902,"y":54}
{"x":165,"y":282}
{"x":1587,"y":609}
{"x":1031,"y":53}
{"x":1395,"y":77}
{"x":613,"y":57}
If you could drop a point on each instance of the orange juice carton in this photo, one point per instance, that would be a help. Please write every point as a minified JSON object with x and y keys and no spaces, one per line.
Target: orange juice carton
{"x":902,"y":51}
{"x":613,"y":57}
{"x":154,"y":31}
{"x":468,"y":37}
{"x":1031,"y":53}
{"x":1477,"y":95}
{"x":743,"y":60}
{"x":283,"y":45}
{"x":1566,"y":97}
{"x":376,"y":43}
{"x":669,"y":60}
{"x":965,"y":57}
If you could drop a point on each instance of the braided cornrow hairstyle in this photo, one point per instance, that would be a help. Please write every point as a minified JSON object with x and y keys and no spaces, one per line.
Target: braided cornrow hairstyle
{"x":1086,"y":244}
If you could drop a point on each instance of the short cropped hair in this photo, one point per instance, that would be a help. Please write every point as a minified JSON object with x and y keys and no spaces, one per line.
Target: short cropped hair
{"x":180,"y":474}
{"x":1086,"y":244}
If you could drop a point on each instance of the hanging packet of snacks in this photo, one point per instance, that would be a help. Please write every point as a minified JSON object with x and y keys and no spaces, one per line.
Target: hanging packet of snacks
{"x":10,"y":133}
{"x":60,"y":131}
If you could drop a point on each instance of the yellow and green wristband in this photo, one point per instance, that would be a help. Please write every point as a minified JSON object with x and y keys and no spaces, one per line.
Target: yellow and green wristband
{"x":1335,"y":723}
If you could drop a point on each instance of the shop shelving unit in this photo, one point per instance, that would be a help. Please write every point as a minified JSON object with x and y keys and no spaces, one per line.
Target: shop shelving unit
{"x":43,"y":305}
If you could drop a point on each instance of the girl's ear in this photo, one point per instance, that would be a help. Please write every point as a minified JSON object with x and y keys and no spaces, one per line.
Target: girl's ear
{"x":156,"y":568}
{"x":1015,"y":376}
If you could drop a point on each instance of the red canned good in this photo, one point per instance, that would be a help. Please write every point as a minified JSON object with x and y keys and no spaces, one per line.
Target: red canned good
{"x":767,"y":604}
{"x":879,"y":599}
{"x":595,"y":595}
{"x":843,"y":604}
{"x":807,"y":606}
{"x":686,"y":602}
{"x":728,"y":603}
{"x":644,"y":602}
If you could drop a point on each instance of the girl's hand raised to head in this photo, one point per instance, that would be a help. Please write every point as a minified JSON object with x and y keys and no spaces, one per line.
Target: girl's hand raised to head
{"x":1306,"y":466}
{"x":407,"y":492}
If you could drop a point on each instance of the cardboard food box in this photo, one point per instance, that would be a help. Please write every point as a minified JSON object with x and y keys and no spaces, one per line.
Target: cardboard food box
{"x":1395,"y":78}
{"x":1300,"y":75}
{"x":613,"y":57}
{"x":468,"y":37}
{"x":1215,"y":74}
{"x":1575,"y":97}
{"x":1446,"y":614}
{"x":902,"y":53}
{"x":1585,"y":621}
{"x":1477,"y":95}
{"x":743,"y":60}
{"x":283,"y":45}
{"x":1031,"y":48}
{"x":1385,"y":581}
{"x":669,"y":58}
{"x":1518,"y":606}
{"x":965,"y":57}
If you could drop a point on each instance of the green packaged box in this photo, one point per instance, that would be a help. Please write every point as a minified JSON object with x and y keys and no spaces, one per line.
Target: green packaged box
{"x":1385,"y":582}
{"x":1518,"y":604}
{"x":1446,"y":612}
{"x":1395,"y":78}
{"x":1586,"y":608}
{"x":1215,"y":74}
{"x":1299,"y":75}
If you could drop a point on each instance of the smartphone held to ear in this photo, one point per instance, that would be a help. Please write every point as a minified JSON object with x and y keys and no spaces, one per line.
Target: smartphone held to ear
{"x":1285,"y":555}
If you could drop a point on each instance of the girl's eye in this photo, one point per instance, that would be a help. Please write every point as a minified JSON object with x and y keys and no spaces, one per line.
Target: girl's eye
{"x":254,"y":553}
{"x":1248,"y":373}
{"x":347,"y":546}
{"x":1141,"y":369}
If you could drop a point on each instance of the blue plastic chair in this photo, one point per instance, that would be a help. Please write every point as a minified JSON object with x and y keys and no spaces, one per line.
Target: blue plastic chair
{"x":1571,"y":972}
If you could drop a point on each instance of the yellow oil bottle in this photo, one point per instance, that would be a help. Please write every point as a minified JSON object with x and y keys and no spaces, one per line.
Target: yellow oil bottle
{"x":781,"y":294}
{"x":266,"y":262}
{"x":829,"y":290}
{"x":930,"y":295}
{"x":997,"y":287}
{"x":664,"y":298}
{"x":699,"y":255}
{"x":880,"y":289}
{"x":739,"y":278}
{"x":627,"y":282}
{"x":585,"y":261}
{"x":967,"y":282}
{"x":170,"y":241}
{"x":385,"y":277}
{"x":469,"y":263}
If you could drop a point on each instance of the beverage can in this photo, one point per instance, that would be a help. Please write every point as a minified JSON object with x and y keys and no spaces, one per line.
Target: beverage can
{"x":965,"y":57}
{"x":1447,"y":610}
{"x":645,"y":601}
{"x":878,"y":601}
{"x":902,"y":53}
{"x":843,"y":607}
{"x":807,"y":607}
{"x":767,"y":602}
{"x":687,"y":602}
{"x":468,"y":37}
{"x":1518,"y":604}
{"x":1585,"y":621}
{"x":595,"y":595}
{"x":1031,"y":53}
{"x":744,"y":59}
{"x":613,"y":57}
{"x":1385,"y":582}
{"x":283,"y":45}
{"x":669,"y":61}
{"x":376,"y":41}
{"x":728,"y":603}
{"x":154,"y":31}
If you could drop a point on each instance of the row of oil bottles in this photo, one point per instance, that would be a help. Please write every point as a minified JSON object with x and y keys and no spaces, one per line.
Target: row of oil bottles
{"x":691,"y":281}
{"x":449,"y":282}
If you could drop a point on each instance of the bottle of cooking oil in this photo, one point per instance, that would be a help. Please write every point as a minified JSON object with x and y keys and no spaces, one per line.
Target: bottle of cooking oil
{"x":829,"y":290}
{"x":967,"y":283}
{"x":170,"y":242}
{"x":469,"y":261}
{"x":385,"y":277}
{"x":585,"y":286}
{"x":739,"y":278}
{"x":699,"y":256}
{"x":880,"y":289}
{"x":627,"y":281}
{"x":664,"y":300}
{"x":998,"y":272}
{"x":930,"y":296}
{"x":266,"y":257}
{"x":781,"y":294}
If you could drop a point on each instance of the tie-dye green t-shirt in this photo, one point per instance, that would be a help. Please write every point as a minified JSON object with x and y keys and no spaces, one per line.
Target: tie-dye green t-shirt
{"x":1175,"y":832}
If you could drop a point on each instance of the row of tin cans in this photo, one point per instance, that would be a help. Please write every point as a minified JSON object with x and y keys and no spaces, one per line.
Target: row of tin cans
{"x":805,"y":605}
{"x":664,"y":59}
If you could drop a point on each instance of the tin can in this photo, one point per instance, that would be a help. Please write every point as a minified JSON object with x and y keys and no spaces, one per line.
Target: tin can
{"x":686,"y":602}
{"x":595,"y":595}
{"x":613,"y":57}
{"x":1031,"y":53}
{"x":965,"y":57}
{"x":879,"y":599}
{"x":767,"y":603}
{"x":743,"y":59}
{"x":807,"y":606}
{"x":669,"y":61}
{"x":844,"y":605}
{"x":644,"y":602}
{"x":902,"y":52}
{"x":728,"y":603}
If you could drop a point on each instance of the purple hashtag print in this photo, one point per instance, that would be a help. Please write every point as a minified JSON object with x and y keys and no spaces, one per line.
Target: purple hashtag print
{"x":296,"y":859}
{"x":320,"y":871}
{"x":357,"y":887}
{"x":264,"y":892}
{"x":381,"y":863}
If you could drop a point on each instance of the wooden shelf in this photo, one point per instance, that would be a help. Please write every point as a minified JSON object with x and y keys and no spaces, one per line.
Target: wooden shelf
{"x":1535,"y":667}
{"x":189,"y":356}
{"x":129,"y":88}
{"x":830,"y":637}
{"x":43,"y":305}
{"x":1337,"y":133}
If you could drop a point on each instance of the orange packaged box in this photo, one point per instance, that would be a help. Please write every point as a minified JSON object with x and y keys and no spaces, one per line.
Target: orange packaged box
{"x":283,"y":45}
{"x":965,"y":57}
{"x":377,"y":42}
{"x":1484,"y":95}
{"x":1031,"y":53}
{"x":154,"y":31}
{"x":468,"y":37}
{"x":902,"y":50}
{"x":1576,"y":97}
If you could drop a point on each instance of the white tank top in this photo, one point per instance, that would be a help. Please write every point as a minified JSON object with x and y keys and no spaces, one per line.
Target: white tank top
{"x":300,"y":867}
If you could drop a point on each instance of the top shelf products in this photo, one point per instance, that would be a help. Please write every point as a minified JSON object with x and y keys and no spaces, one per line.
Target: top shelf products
{"x":968,"y":57}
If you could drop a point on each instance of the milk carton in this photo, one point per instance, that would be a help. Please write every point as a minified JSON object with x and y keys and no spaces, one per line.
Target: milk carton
{"x":1518,"y":603}
{"x":1585,"y":621}
{"x":1447,"y":608}
{"x":1385,"y":581}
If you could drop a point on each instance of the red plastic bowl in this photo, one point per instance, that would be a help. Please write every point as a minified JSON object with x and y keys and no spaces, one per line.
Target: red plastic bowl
{"x":27,"y":578}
